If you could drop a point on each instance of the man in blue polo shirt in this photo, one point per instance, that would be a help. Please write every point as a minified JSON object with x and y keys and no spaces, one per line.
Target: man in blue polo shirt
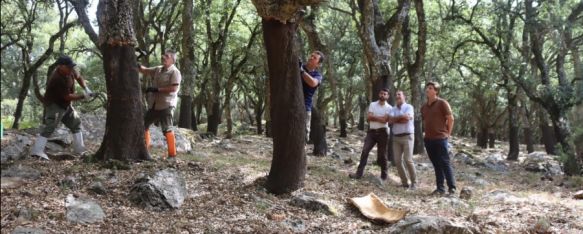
{"x":311,"y":79}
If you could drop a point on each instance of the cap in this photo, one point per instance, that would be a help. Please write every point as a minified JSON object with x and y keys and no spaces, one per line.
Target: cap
{"x":66,"y":60}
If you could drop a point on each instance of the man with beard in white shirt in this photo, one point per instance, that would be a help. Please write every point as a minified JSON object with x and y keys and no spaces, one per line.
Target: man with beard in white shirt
{"x":378,"y":114}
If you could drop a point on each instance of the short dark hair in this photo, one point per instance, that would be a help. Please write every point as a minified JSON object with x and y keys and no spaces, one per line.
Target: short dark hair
{"x":435,"y":85}
{"x":384,"y":90}
{"x":321,"y":60}
{"x":65,"y":60}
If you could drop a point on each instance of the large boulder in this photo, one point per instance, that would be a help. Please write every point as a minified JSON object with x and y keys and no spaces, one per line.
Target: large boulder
{"x":185,"y":139}
{"x":429,"y":225}
{"x":465,"y":157}
{"x":27,"y":230}
{"x":94,"y":130}
{"x":21,"y":171}
{"x":14,"y":145}
{"x":541,"y":162}
{"x":83,"y":210}
{"x":495,"y":162}
{"x":165,"y":189}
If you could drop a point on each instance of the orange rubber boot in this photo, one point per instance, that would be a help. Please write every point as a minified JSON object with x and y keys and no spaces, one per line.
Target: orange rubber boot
{"x":171,"y":141}
{"x":147,"y":139}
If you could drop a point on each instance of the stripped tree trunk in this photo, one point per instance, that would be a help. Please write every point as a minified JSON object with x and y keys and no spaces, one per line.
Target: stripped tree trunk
{"x":124,"y":124}
{"x":288,"y":167}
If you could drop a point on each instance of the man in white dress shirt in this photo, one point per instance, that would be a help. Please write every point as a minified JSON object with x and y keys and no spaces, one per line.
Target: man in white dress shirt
{"x":403,"y":131}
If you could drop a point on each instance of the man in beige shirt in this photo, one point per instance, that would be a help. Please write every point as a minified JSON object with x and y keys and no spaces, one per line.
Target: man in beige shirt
{"x":165,"y":85}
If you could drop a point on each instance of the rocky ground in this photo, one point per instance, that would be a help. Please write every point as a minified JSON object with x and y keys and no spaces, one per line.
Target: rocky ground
{"x":225,"y":194}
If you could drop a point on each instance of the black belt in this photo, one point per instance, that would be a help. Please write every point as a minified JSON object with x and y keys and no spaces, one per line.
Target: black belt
{"x":378,"y":129}
{"x":402,"y":134}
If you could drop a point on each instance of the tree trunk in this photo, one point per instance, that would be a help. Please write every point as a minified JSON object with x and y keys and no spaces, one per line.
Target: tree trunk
{"x":194,"y":119}
{"x":512,"y":127}
{"x":547,"y":136}
{"x":21,"y":97}
{"x":258,"y":114}
{"x":318,"y":133}
{"x":268,"y":124}
{"x":528,"y":139}
{"x":124,"y":124}
{"x":288,"y":167}
{"x":492,"y":139}
{"x":186,"y":118}
{"x":482,"y":138}
{"x":562,"y":131}
{"x":342,"y":116}
{"x":187,"y":66}
{"x":229,"y":116}
{"x":362,"y":112}
{"x":214,"y":113}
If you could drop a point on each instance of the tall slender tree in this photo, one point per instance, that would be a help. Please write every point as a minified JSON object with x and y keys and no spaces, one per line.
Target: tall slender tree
{"x":415,"y":68}
{"x":187,"y":67}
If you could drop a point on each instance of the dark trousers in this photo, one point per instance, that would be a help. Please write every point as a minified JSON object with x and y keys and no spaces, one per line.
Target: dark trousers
{"x":439,"y":156}
{"x":375,"y":137}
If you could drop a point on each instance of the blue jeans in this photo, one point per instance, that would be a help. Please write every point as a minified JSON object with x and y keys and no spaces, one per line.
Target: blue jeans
{"x":439,"y":156}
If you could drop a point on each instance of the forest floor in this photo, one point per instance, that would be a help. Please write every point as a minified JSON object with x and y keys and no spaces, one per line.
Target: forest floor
{"x":224,"y":180}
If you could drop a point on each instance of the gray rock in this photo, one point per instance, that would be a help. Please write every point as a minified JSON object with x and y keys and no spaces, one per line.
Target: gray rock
{"x":21,"y":171}
{"x":309,"y":202}
{"x":185,"y":139}
{"x":296,"y":225}
{"x":62,"y":136}
{"x":335,"y":155}
{"x":474,"y":178}
{"x":163,"y":190}
{"x":27,"y":230}
{"x":97,"y":187}
{"x":429,"y":225}
{"x":481,"y":182}
{"x":494,"y":165}
{"x":466,"y":193}
{"x":503,"y":196}
{"x":541,"y":162}
{"x":83,"y":210}
{"x":495,"y":157}
{"x":452,"y":202}
{"x":69,"y":182}
{"x":346,"y":148}
{"x":11,"y":182}
{"x":14,"y":145}
{"x":465,"y":158}
{"x":25,"y":213}
{"x":94,"y":129}
{"x":226,"y":144}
